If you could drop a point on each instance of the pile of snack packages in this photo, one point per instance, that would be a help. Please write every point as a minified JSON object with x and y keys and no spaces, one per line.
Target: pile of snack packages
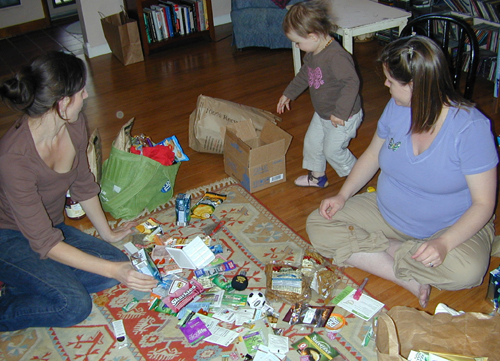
{"x":207,"y":297}
{"x":166,"y":152}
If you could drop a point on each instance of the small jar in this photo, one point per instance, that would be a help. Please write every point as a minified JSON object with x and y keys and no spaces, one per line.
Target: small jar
{"x":73,"y":209}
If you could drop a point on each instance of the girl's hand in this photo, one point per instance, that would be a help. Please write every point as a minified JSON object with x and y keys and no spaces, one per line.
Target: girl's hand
{"x":431,"y":253}
{"x":330,"y":206}
{"x":336,"y":121}
{"x":283,"y":103}
{"x":126,"y":274}
{"x":119,"y":233}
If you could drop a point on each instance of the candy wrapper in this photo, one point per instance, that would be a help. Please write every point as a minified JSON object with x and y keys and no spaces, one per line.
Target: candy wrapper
{"x":183,"y":296}
{"x":204,"y":208}
{"x":174,"y":144}
{"x":304,"y":314}
{"x":150,"y":228}
{"x":194,"y":329}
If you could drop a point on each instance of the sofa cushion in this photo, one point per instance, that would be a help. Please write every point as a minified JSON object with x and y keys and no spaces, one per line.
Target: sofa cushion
{"x":281,"y":3}
{"x":245,"y":4}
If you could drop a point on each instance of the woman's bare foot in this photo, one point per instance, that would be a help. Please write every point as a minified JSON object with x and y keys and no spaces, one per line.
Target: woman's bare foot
{"x":423,"y":295}
{"x":421,"y":291}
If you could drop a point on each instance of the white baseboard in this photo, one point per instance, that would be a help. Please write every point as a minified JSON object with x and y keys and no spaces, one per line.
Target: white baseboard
{"x":223,"y":19}
{"x":92,"y":52}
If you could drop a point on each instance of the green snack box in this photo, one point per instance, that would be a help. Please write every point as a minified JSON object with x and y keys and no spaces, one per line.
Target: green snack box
{"x":315,"y":347}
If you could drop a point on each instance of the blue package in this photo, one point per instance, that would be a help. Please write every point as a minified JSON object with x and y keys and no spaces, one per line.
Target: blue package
{"x":172,"y":141}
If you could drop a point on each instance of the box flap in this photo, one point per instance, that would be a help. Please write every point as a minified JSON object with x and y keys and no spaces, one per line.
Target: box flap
{"x":267,"y":153}
{"x":244,"y":130}
{"x":271,"y":133}
{"x":236,"y":147}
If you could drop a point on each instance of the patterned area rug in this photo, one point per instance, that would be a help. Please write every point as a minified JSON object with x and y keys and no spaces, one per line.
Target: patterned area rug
{"x":251,"y":237}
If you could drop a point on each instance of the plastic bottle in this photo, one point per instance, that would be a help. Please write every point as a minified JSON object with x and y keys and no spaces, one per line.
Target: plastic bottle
{"x":73,"y":209}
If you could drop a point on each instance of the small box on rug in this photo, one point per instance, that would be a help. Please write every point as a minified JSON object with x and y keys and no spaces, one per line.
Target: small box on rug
{"x":493,"y":295}
{"x":257,"y":161}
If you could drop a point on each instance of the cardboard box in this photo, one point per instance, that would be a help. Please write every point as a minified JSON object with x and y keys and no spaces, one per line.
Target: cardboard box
{"x":493,"y":295}
{"x":256,"y":160}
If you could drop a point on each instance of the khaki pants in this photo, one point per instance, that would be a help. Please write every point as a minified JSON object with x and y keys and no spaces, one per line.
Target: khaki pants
{"x":359,"y":227}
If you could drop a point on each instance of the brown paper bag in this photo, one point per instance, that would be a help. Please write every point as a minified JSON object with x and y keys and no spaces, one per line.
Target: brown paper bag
{"x":207,"y":123}
{"x":94,"y":154}
{"x":122,"y":35}
{"x":404,"y":329}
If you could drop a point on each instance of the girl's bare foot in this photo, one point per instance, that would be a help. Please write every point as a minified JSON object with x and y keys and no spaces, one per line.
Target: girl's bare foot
{"x":423,"y":295}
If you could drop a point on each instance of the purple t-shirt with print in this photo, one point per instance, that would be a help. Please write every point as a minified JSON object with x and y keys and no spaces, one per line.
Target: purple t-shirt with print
{"x":420,"y":195}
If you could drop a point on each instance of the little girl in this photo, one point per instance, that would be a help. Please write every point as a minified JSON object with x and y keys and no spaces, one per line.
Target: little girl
{"x":333,"y":83}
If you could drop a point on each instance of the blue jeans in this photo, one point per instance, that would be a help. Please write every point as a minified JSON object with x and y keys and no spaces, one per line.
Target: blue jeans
{"x":46,"y":293}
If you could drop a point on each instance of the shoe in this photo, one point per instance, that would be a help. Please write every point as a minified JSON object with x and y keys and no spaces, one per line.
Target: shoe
{"x":311,"y":181}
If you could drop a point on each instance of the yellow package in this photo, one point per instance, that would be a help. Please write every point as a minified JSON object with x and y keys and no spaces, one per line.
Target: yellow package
{"x":204,"y":208}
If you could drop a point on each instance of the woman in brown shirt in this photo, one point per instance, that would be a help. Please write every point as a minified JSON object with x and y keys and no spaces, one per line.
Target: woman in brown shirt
{"x":50,"y":268}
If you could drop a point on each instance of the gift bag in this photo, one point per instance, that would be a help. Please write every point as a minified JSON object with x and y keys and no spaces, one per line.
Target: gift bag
{"x":122,"y":35}
{"x":404,"y":329}
{"x":207,"y":123}
{"x":131,"y":183}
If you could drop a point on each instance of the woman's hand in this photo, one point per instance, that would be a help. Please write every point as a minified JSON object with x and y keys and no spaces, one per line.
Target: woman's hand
{"x":283,"y":103}
{"x":330,"y":206}
{"x":119,"y":233}
{"x":126,"y":274}
{"x":431,"y":253}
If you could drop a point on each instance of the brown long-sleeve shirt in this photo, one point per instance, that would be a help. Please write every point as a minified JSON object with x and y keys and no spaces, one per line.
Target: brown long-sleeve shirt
{"x":332,"y":80}
{"x":32,"y":195}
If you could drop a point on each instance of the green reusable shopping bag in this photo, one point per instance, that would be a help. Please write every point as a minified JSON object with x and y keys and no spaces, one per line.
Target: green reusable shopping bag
{"x":131,"y":183}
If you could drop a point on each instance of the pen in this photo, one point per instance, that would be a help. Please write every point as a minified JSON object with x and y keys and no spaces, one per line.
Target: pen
{"x":216,"y":229}
{"x":359,"y":291}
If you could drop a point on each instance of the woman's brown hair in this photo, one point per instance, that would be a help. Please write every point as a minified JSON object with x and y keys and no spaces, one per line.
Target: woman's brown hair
{"x":420,"y":62}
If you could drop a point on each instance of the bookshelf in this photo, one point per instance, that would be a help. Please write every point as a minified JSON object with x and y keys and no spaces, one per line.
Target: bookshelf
{"x":136,"y":10}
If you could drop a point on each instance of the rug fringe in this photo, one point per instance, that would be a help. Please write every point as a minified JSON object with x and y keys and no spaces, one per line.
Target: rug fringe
{"x":196,"y":192}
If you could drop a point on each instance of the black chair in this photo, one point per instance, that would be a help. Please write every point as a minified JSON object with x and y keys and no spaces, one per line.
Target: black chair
{"x":458,"y":41}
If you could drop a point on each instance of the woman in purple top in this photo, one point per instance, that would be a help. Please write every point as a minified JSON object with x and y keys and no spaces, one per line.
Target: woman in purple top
{"x":50,"y":268}
{"x":430,"y":222}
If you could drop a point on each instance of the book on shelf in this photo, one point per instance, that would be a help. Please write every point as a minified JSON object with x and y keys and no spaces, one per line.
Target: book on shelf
{"x":172,"y":18}
{"x":147,"y":27}
{"x":157,"y":24}
{"x":150,"y":23}
{"x":162,"y":20}
{"x":497,"y":73}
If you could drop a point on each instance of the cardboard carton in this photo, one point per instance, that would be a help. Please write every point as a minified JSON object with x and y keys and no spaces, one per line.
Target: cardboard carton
{"x":493,"y":295}
{"x":257,"y":161}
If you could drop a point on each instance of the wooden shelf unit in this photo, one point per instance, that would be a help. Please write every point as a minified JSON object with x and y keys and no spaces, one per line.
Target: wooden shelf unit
{"x":135,"y":11}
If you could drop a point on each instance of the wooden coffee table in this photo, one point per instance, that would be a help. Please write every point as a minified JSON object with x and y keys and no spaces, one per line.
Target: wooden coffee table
{"x":359,"y":17}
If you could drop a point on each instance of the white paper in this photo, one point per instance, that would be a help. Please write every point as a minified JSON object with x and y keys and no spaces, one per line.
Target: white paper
{"x":244,"y":315}
{"x":278,"y":344}
{"x":365,"y":308}
{"x":225,"y":315}
{"x":264,"y":354}
{"x":221,"y":336}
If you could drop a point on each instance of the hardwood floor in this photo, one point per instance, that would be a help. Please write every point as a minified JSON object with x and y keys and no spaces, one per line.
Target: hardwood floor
{"x":161,"y":92}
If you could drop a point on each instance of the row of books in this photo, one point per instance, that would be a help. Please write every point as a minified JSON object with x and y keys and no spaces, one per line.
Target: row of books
{"x":487,"y":65}
{"x":487,"y":36}
{"x":485,"y":9}
{"x":169,"y":19}
{"x":486,"y":33}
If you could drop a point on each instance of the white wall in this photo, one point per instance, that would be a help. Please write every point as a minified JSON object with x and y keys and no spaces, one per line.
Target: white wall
{"x":221,"y":10}
{"x":60,"y":11}
{"x":95,"y":43}
{"x":29,"y":10}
